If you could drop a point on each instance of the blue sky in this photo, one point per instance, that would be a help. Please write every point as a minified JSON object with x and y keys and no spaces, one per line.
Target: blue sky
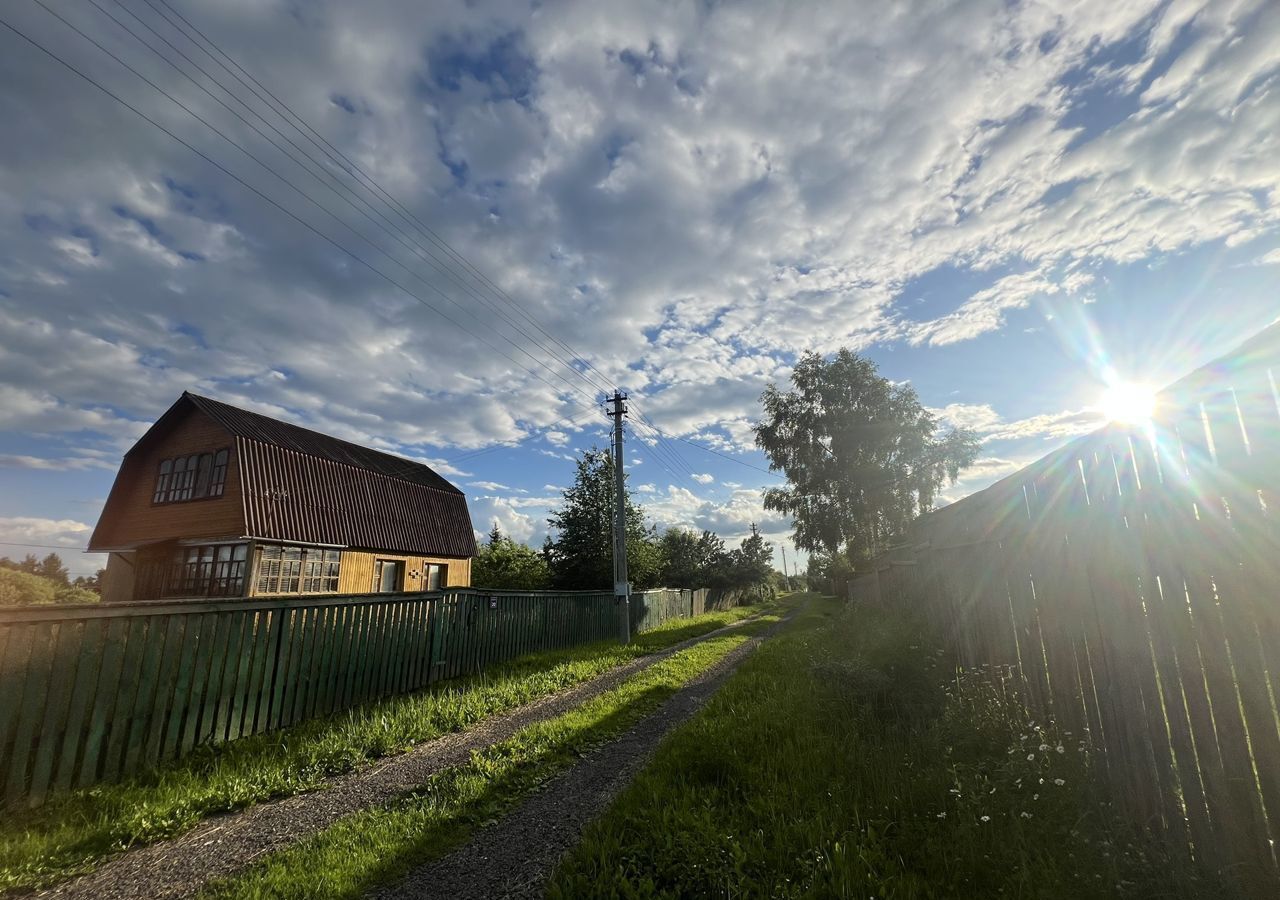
{"x":1005,"y":204}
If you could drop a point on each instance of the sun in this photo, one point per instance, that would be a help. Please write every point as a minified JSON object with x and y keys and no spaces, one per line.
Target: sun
{"x":1129,"y":403}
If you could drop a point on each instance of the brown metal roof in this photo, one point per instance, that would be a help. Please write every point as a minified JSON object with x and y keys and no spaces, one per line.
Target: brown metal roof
{"x":266,"y":430}
{"x":292,"y":496}
{"x":303,"y":486}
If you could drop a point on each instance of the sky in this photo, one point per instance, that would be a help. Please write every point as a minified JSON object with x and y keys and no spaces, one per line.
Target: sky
{"x":444,"y":229}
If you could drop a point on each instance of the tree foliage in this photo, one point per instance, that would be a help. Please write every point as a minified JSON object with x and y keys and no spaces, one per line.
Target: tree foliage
{"x":21,"y":585}
{"x":692,"y":560}
{"x":861,"y":455}
{"x":504,"y":564}
{"x":581,"y":556}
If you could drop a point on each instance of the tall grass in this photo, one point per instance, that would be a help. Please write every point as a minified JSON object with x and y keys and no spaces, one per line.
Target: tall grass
{"x":71,"y":834}
{"x":847,"y":759}
{"x":380,"y":845}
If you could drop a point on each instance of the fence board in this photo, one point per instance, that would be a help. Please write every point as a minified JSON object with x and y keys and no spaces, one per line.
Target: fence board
{"x":1136,"y":592}
{"x":98,"y":692}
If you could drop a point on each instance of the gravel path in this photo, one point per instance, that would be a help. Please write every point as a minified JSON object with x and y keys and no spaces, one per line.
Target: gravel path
{"x":516,"y":856}
{"x":224,"y":845}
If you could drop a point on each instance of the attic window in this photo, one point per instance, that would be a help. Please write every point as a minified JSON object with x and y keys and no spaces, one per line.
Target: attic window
{"x":193,"y":477}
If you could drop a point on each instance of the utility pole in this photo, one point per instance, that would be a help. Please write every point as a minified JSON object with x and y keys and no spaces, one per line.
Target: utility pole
{"x":621,"y":586}
{"x":785,"y":573}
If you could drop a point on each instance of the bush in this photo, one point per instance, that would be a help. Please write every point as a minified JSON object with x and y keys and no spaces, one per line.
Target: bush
{"x":23,"y":589}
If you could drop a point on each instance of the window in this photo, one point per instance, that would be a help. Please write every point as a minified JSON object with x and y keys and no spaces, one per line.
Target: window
{"x":218,"y":481}
{"x":388,"y":576}
{"x":162,"y":482}
{"x":191,"y":477}
{"x":297,"y":570}
{"x":437,"y":576}
{"x":211,"y":570}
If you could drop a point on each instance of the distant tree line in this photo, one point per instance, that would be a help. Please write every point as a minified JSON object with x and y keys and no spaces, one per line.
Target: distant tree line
{"x":43,"y":581}
{"x":580,"y":554}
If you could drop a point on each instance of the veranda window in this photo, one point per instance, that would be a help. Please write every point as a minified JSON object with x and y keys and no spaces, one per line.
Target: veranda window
{"x":210,"y":570}
{"x":297,"y":570}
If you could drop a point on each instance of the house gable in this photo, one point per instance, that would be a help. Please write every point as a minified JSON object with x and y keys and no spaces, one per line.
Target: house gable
{"x":132,"y":519}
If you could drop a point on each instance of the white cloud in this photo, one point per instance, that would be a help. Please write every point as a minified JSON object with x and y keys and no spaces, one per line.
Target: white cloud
{"x":64,"y":464}
{"x":991,"y":426}
{"x":20,"y":535}
{"x":685,"y":205}
{"x":703,"y":478}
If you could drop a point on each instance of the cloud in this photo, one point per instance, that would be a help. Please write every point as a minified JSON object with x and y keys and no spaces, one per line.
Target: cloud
{"x":17,"y":461}
{"x":657,"y":199}
{"x":703,"y":478}
{"x":991,"y":426}
{"x":20,"y":535}
{"x":984,"y":311}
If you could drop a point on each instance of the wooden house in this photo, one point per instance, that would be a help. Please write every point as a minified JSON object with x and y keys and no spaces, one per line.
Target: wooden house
{"x":216,"y":501}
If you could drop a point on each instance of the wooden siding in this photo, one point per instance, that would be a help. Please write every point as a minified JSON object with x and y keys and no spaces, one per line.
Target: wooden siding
{"x":356,"y":574}
{"x":117,"y":587}
{"x":130,"y":518}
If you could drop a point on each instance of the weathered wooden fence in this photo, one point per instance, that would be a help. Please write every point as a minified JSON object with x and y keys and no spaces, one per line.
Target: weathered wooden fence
{"x":1131,"y":583}
{"x":90,"y":693}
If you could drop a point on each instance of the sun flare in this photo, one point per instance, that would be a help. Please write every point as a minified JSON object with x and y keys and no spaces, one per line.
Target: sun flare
{"x":1130,"y":403}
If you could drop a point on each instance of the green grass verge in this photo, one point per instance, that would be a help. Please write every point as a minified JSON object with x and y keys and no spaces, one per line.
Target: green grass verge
{"x":842,"y":761}
{"x":381,"y":845}
{"x":72,"y":833}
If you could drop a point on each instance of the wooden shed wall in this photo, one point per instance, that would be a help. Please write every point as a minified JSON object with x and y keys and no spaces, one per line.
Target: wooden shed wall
{"x":356,"y":574}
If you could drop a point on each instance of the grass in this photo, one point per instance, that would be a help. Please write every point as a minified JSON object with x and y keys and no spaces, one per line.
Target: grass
{"x":381,"y":845}
{"x":72,"y":833}
{"x":843,"y":760}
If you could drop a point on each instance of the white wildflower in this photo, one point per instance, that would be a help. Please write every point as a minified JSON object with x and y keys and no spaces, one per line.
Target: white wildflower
{"x":986,"y":818}
{"x":1059,"y":781}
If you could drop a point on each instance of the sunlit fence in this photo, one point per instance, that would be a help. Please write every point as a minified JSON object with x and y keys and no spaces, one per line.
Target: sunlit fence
{"x":1130,"y":586}
{"x":91,"y":693}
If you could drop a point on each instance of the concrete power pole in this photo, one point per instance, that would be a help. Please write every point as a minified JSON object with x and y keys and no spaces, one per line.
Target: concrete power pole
{"x":785,"y":573}
{"x":621,"y":586}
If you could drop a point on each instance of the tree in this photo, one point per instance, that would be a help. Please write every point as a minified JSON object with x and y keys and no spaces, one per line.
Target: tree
{"x":92,"y":582}
{"x":861,"y":455}
{"x":506,"y":565}
{"x":752,"y":563}
{"x":689,"y":559}
{"x":51,"y":567}
{"x":581,"y":557}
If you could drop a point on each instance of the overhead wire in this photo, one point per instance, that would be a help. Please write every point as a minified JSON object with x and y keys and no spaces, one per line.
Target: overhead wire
{"x":273,"y":202}
{"x":353,"y":169}
{"x":334,"y":184}
{"x":665,"y":454}
{"x":377,"y":247}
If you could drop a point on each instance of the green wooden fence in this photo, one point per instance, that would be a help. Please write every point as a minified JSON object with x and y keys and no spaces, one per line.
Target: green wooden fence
{"x":91,"y":693}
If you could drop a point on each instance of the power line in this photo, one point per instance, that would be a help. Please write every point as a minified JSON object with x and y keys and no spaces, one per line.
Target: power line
{"x":353,"y":169}
{"x":505,"y":445}
{"x":42,"y":546}
{"x":299,"y":191}
{"x":726,"y":456}
{"x":333,"y":184}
